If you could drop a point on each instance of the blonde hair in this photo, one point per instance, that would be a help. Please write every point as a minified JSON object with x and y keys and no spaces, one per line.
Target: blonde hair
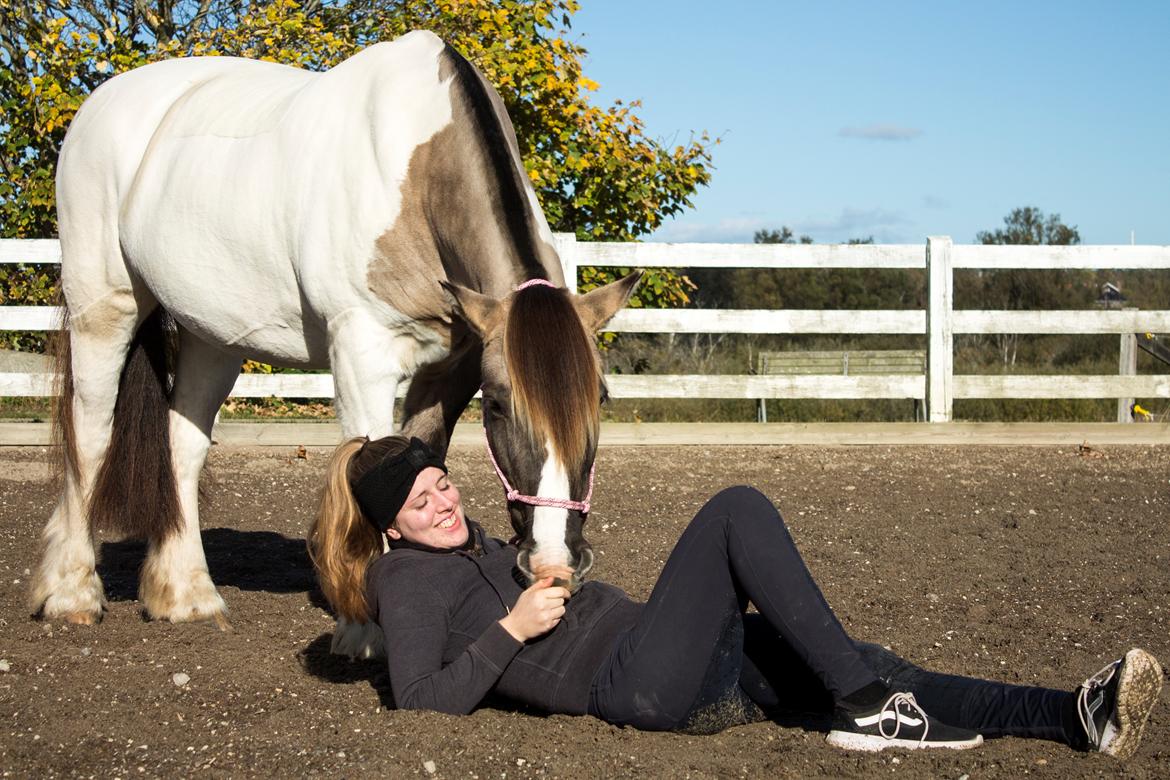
{"x":342,"y":542}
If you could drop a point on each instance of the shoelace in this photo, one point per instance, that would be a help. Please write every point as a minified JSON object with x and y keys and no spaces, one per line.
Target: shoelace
{"x":1087,"y":689}
{"x":892,"y":704}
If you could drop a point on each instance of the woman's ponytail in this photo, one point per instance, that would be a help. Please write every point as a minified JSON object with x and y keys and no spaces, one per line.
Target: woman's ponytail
{"x":342,"y":544}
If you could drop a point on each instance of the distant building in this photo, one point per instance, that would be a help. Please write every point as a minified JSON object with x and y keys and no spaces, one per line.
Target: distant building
{"x":1111,"y":297}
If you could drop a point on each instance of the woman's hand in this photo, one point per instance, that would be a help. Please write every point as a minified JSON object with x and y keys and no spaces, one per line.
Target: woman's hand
{"x":537,"y":611}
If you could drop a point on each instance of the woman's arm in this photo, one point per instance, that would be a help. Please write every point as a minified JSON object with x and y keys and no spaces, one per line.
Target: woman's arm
{"x":415,"y":626}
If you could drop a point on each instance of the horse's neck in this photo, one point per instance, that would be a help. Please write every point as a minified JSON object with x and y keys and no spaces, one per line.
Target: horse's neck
{"x":490,"y":249}
{"x":497,"y":265}
{"x":495,"y":227}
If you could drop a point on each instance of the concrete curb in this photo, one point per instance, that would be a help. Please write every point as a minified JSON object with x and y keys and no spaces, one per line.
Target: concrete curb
{"x":327,"y":434}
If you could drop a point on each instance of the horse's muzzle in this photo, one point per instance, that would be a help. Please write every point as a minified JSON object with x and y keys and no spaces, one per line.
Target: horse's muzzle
{"x":570,"y":577}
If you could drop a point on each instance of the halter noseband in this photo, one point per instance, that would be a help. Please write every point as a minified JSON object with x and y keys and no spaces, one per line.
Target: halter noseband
{"x":512,"y":494}
{"x":515,"y":495}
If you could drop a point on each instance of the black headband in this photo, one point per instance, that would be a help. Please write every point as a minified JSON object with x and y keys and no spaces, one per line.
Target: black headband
{"x":382,"y":491}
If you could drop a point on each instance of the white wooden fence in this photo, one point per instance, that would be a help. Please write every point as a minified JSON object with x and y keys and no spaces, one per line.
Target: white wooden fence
{"x":939,"y":322}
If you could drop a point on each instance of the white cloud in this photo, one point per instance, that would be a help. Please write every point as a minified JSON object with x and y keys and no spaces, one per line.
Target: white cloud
{"x":732,"y":230}
{"x":885,"y":225}
{"x":881,"y":132}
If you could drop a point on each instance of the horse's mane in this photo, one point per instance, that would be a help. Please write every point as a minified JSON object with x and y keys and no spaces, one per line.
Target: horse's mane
{"x":553,"y":368}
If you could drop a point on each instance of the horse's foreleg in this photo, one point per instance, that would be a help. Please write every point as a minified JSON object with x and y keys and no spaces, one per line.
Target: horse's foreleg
{"x":367,"y":365}
{"x":175,"y":584}
{"x":66,"y":584}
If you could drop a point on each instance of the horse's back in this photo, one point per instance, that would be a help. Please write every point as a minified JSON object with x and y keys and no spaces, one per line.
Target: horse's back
{"x":100,"y":158}
{"x":114,"y":126}
{"x":245,"y":196}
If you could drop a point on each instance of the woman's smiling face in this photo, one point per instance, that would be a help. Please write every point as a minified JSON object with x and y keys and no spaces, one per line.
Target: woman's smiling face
{"x":432,"y":514}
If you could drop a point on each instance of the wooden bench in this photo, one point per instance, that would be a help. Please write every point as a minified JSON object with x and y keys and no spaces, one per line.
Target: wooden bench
{"x":883,"y":362}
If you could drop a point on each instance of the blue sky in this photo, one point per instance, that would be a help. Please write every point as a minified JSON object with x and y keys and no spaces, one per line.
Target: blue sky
{"x":901,"y":119}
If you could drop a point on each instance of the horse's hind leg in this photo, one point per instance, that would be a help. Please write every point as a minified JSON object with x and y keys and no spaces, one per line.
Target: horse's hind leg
{"x":66,"y":585}
{"x":175,"y":584}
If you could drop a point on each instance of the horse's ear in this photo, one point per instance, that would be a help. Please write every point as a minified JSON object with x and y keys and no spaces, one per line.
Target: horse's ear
{"x":596,"y":307}
{"x":479,"y":311}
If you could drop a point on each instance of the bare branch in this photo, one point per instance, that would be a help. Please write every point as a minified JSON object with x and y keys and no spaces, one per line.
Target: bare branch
{"x":149,"y":18}
{"x":200,"y":15}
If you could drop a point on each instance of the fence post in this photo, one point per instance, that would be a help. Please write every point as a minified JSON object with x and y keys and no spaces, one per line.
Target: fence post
{"x":1127,"y":366}
{"x":940,"y":357}
{"x":566,"y":246}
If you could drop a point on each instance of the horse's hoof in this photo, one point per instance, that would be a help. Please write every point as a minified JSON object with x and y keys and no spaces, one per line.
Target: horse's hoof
{"x":357,"y":641}
{"x":70,"y":597}
{"x":196,"y":599}
{"x":82,"y":618}
{"x":222,"y":622}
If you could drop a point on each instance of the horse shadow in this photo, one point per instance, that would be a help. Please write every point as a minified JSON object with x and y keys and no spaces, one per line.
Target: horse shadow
{"x":248,"y":560}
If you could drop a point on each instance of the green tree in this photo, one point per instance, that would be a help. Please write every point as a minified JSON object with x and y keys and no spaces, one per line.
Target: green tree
{"x":1013,"y":289}
{"x":781,"y":236}
{"x":802,"y":288}
{"x":1028,"y":225}
{"x":595,"y":170}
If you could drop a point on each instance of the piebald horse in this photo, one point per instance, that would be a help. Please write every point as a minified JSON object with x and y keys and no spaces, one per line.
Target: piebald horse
{"x":307,"y":220}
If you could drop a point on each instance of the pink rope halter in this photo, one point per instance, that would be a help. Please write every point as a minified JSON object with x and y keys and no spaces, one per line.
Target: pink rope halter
{"x":536,"y":283}
{"x":511,"y":493}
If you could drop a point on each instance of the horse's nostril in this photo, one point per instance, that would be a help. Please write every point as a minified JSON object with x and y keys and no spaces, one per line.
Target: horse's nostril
{"x":584,"y":563}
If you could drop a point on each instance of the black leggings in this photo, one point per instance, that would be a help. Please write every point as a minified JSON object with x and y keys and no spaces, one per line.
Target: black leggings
{"x":695,"y":661}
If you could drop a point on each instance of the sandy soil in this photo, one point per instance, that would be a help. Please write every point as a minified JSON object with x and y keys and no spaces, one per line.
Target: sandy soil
{"x":1033,"y":565}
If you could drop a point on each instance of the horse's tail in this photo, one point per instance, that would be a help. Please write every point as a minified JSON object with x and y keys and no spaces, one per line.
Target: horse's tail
{"x":63,"y":435}
{"x":135,"y":492}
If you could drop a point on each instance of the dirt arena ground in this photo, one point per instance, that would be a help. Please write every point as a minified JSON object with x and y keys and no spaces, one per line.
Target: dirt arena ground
{"x":1032,"y":565}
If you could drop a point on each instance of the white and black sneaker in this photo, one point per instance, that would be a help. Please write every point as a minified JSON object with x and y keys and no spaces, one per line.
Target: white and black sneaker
{"x":899,"y":722}
{"x":1115,"y":702}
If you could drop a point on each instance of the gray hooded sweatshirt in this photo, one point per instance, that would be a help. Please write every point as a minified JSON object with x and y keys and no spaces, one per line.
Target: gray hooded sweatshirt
{"x":446,"y":651}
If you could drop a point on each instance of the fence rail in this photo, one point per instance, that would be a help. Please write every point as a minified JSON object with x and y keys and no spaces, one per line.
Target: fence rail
{"x":939,"y":322}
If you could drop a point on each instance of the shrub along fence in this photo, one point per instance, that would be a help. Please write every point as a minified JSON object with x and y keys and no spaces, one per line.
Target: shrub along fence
{"x":938,"y":322}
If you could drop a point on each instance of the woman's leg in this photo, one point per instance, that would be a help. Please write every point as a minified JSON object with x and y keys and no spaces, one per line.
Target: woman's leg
{"x":993,"y":709}
{"x":777,"y":682}
{"x":688,"y":640}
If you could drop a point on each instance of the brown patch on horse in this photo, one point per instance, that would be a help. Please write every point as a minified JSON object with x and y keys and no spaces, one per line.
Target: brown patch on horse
{"x":465,"y":214}
{"x":406,"y":263}
{"x":554,"y":372}
{"x":135,"y":491}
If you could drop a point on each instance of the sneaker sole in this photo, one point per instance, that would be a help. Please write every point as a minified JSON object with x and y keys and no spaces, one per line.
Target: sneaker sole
{"x":870,"y":743}
{"x":1138,"y":687}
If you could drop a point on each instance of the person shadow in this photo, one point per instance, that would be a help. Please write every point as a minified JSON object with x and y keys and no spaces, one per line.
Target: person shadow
{"x":317,"y":659}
